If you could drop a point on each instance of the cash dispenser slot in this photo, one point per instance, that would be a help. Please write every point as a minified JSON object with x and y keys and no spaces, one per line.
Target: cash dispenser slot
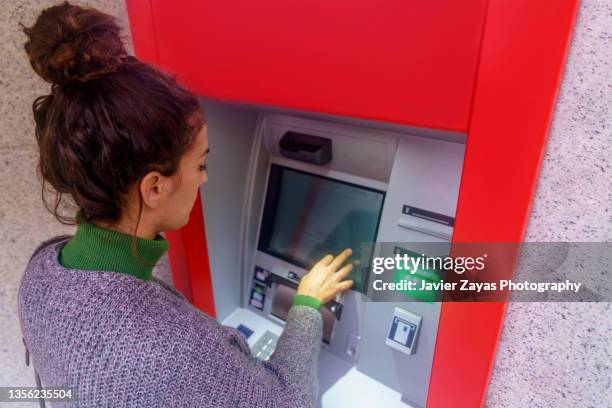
{"x":283,"y":300}
{"x":333,"y":306}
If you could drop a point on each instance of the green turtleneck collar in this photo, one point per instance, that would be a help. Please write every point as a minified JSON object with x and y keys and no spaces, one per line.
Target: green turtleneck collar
{"x":99,"y":249}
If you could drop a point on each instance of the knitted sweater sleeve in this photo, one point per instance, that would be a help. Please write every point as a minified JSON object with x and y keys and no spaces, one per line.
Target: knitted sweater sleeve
{"x":218,"y":370}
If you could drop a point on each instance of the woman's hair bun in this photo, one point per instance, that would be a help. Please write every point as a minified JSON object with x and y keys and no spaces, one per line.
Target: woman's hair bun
{"x":71,"y":43}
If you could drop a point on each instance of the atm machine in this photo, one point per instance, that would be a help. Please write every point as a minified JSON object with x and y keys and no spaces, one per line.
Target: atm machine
{"x":287,"y":188}
{"x":398,"y":121}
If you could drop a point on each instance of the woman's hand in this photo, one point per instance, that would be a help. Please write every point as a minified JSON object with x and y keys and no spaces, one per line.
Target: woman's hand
{"x":325,"y":279}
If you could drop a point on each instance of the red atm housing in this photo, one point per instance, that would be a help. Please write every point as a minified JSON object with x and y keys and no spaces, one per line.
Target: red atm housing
{"x":488,"y":68}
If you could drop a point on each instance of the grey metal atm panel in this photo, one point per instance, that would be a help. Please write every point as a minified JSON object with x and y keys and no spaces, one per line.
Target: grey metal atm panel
{"x":231,"y":132}
{"x":426,"y":174}
{"x":408,"y":374}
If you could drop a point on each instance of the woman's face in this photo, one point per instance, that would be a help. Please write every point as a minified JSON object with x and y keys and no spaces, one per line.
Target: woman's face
{"x":185,"y":184}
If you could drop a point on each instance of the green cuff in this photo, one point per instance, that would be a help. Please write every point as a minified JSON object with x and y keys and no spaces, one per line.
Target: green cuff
{"x":305,"y":300}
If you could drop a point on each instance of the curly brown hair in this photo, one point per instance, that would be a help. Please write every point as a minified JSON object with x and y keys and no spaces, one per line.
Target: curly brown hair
{"x":109,"y":118}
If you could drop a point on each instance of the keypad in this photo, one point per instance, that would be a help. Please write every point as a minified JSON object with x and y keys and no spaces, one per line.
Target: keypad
{"x":264,"y":347}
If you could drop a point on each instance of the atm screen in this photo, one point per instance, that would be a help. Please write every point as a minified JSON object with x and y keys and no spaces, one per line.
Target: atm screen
{"x":307,"y":216}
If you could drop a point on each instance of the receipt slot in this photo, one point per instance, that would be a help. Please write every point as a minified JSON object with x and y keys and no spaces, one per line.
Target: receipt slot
{"x":435,"y":148}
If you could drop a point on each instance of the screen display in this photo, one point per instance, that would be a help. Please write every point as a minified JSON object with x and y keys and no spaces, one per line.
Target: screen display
{"x":307,"y":216}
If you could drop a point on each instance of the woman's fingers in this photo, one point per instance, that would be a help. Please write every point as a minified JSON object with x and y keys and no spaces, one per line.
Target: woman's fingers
{"x":324,"y":261}
{"x":344,"y":272}
{"x":339,"y":260}
{"x":325,"y":279}
{"x":344,"y":285}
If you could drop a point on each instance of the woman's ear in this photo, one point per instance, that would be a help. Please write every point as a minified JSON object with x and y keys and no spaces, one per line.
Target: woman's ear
{"x":152,"y":188}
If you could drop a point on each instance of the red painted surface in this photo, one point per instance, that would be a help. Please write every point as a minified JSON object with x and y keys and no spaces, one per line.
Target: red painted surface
{"x":140,"y":13}
{"x":189,"y":261}
{"x":523,"y":53}
{"x":405,"y":62}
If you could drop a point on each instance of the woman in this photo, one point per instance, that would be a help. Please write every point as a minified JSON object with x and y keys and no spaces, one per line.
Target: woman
{"x":129,"y":146}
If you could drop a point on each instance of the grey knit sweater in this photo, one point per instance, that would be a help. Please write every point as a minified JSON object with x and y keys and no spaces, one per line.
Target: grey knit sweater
{"x":124,"y":342}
